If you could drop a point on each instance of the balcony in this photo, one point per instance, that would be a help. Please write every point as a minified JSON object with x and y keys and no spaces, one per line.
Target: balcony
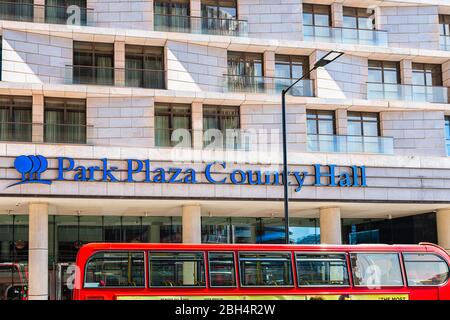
{"x":201,"y":25}
{"x":345,"y":35}
{"x":386,"y":91}
{"x":45,"y":13}
{"x":444,"y":43}
{"x":110,"y":76}
{"x":268,"y":85}
{"x":350,"y":144}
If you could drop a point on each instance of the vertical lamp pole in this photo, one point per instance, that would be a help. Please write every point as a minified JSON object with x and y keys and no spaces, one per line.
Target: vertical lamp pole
{"x":326,"y":59}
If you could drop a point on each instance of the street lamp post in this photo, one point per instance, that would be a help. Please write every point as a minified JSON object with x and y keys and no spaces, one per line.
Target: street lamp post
{"x":326,"y":59}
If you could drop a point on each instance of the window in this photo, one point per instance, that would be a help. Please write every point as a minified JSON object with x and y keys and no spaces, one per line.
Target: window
{"x":226,"y":120}
{"x":221,"y":269}
{"x":172,"y":15}
{"x":363,"y":124}
{"x":265,"y":269}
{"x":221,"y":9}
{"x":316,"y":269}
{"x":291,"y":67}
{"x":384,"y":72}
{"x":316,"y":15}
{"x":56,"y":11}
{"x":115,"y":269}
{"x":427,"y":74}
{"x":444,"y":25}
{"x":172,"y":125}
{"x":447,"y":133}
{"x":18,"y":10}
{"x":359,"y":18}
{"x":15,"y":118}
{"x":424,"y":269}
{"x":64,"y":120}
{"x":320,"y":122}
{"x":93,"y":63}
{"x":144,"y":67}
{"x":245,"y":71}
{"x":177,"y":269}
{"x":376,"y":269}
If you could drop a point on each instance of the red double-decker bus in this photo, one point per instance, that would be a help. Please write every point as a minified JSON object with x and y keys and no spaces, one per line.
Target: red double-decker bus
{"x":245,"y":272}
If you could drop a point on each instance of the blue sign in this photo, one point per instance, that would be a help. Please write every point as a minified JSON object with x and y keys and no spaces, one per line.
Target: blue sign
{"x":142,"y":171}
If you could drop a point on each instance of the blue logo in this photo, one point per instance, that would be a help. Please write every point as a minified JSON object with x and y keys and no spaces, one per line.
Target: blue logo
{"x":31,"y":168}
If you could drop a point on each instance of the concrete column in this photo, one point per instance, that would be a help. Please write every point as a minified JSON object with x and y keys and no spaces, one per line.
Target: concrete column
{"x":314,"y":75}
{"x":197,"y":125}
{"x":37,"y":117}
{"x":192,"y":224}
{"x":38,"y":251}
{"x":446,"y":74}
{"x":443,"y":228}
{"x":330,"y":226}
{"x":39,"y":11}
{"x":341,"y":122}
{"x":269,"y":70}
{"x":406,"y":71}
{"x":119,"y":63}
{"x":337,"y":14}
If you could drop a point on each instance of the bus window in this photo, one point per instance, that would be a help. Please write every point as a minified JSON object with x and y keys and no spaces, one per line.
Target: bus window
{"x":177,"y":269}
{"x":265,"y":269}
{"x":115,"y":269}
{"x":221,"y":269}
{"x":376,"y":269}
{"x":12,"y":282}
{"x":317,"y":269}
{"x":425,"y":269}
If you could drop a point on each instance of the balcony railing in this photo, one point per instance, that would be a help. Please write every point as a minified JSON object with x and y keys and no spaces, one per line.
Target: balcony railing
{"x":444,"y":43}
{"x":345,"y":35}
{"x":200,"y":25}
{"x":71,"y":15}
{"x":66,"y":133}
{"x":16,"y":131}
{"x":386,"y":91}
{"x":110,"y":76}
{"x":447,"y":143}
{"x":268,"y":85}
{"x":350,"y":144}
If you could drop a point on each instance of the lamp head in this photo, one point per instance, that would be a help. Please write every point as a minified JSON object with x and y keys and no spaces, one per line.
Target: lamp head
{"x":328,"y":58}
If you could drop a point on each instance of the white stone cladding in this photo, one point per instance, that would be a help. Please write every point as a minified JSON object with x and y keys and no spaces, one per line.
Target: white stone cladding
{"x":272,"y":19}
{"x":126,"y":14}
{"x":411,"y":26}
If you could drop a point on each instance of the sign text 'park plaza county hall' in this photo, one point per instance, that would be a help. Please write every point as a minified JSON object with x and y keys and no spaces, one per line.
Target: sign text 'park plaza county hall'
{"x":33,"y":166}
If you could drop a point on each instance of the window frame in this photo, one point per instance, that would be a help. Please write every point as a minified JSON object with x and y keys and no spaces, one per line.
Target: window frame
{"x":361,"y":122}
{"x":425,"y":286}
{"x":316,"y":119}
{"x":245,"y":57}
{"x":217,"y":4}
{"x":345,"y":256}
{"x":382,"y":68}
{"x":421,"y":68}
{"x":203,"y":252}
{"x":171,"y":115}
{"x":444,"y":20}
{"x":241,"y":285}
{"x":314,"y":8}
{"x":357,"y":14}
{"x":234,"y":265}
{"x":400,"y":265}
{"x":116,"y":287}
{"x":301,"y":60}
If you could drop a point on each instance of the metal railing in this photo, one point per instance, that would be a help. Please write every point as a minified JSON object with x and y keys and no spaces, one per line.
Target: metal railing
{"x":386,"y":91}
{"x":345,"y":35}
{"x":447,"y":143}
{"x":200,"y":25}
{"x":66,"y":133}
{"x":267,"y":85}
{"x":110,"y":76}
{"x":16,"y":131}
{"x":444,"y":43}
{"x":70,"y":15}
{"x":350,"y":144}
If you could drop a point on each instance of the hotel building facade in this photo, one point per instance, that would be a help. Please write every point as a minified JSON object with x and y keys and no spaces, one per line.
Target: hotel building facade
{"x":160,"y":121}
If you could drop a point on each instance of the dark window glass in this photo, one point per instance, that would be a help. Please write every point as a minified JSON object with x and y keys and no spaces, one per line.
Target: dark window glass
{"x":173,"y":15}
{"x":221,"y":126}
{"x":93,"y":63}
{"x":363,"y":124}
{"x":291,"y":67}
{"x":144,"y":67}
{"x":444,"y":25}
{"x":265,"y":269}
{"x":56,"y":11}
{"x":221,"y":269}
{"x":172,"y":125}
{"x":64,"y":120}
{"x":320,"y":122}
{"x":358,"y":18}
{"x":425,"y":269}
{"x":384,"y":72}
{"x":376,"y":269}
{"x":15,"y":118}
{"x":427,"y":74}
{"x":316,"y":15}
{"x":447,"y":133}
{"x":245,"y":64}
{"x":315,"y":269}
{"x":13,"y":281}
{"x":115,"y":269}
{"x":221,"y":9}
{"x":177,"y":269}
{"x":22,"y":10}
